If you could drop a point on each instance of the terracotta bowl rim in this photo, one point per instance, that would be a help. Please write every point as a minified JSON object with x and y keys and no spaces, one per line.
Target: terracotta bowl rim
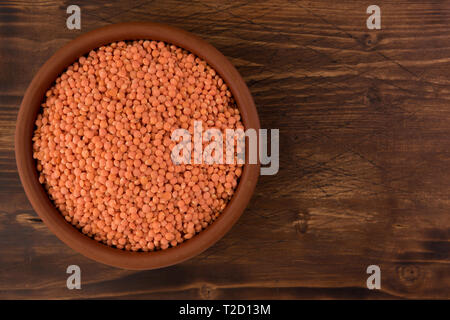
{"x":39,"y":199}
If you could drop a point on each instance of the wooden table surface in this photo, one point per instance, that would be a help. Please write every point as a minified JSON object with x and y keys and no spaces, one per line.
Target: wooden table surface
{"x":364,"y":179}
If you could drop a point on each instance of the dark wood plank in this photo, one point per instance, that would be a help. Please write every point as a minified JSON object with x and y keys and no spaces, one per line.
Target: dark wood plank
{"x":364,"y":136}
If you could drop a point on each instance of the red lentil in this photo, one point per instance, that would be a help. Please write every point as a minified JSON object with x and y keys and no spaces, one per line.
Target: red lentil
{"x":102,"y":144}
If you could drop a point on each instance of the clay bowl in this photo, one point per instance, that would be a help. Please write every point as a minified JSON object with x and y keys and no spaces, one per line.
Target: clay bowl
{"x":27,"y":166}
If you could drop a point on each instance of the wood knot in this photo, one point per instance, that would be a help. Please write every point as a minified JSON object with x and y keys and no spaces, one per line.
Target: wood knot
{"x":301,"y":223}
{"x":207,"y":292}
{"x":30,"y":220}
{"x":409,"y":275}
{"x":370,"y":40}
{"x":373,"y":99}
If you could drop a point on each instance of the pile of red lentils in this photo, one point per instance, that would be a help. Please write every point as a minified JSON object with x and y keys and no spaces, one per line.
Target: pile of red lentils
{"x":103,"y":145}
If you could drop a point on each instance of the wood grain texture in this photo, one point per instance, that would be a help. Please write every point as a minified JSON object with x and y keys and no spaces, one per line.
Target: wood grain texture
{"x":364,"y":178}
